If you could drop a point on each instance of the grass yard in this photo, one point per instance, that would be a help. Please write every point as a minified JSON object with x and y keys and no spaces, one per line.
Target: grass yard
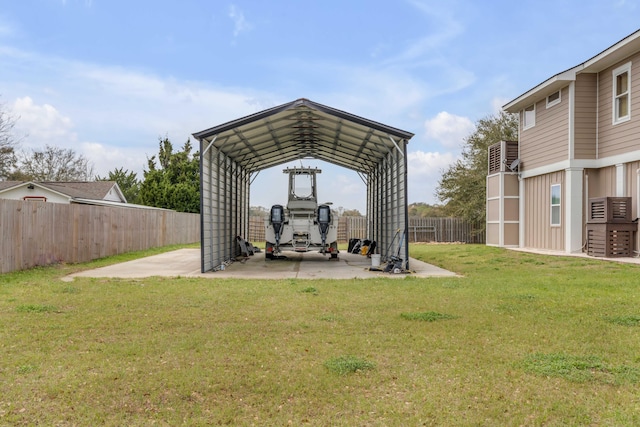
{"x":520,"y":339}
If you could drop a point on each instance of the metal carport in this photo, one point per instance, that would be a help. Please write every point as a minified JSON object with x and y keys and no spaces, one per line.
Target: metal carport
{"x":233,"y":153}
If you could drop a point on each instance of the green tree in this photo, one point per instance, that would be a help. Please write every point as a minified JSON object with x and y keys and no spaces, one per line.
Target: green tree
{"x":7,"y":143}
{"x":127,"y":181}
{"x":462,"y":186}
{"x":424,"y":210}
{"x":174,"y":181}
{"x":54,"y":164}
{"x":351,"y":212}
{"x":258,"y":211}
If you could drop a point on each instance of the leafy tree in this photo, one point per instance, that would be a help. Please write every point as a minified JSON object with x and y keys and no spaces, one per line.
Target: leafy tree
{"x":351,"y":212}
{"x":127,"y":181}
{"x":424,"y":210}
{"x":174,"y":181}
{"x":258,"y":211}
{"x":462,"y":186}
{"x":53,"y":164}
{"x":7,"y":143}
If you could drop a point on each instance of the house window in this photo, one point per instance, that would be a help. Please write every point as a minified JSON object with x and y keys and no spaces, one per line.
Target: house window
{"x":622,"y":93}
{"x":529,"y":117}
{"x":555,"y":204}
{"x":553,"y":99}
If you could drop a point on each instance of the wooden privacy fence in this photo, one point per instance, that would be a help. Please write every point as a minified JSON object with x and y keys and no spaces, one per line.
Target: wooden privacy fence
{"x":445,"y":230}
{"x":35,"y":233}
{"x":420,"y":230}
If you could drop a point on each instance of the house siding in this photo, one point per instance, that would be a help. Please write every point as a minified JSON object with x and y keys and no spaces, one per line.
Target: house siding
{"x":632,"y":176}
{"x":586,"y":116}
{"x":633,"y":171}
{"x":547,"y":141}
{"x":622,"y":137}
{"x":601,"y":182}
{"x":493,"y":198}
{"x":538,"y":232}
{"x":503,"y":204}
{"x":21,"y":192}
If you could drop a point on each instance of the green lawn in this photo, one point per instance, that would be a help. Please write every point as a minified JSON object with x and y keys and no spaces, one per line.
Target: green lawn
{"x":519,"y":339}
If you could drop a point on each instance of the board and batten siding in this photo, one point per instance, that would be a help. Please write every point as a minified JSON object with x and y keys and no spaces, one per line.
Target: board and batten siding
{"x":547,"y":141}
{"x":601,"y":182}
{"x":538,"y":232}
{"x":632,"y":177}
{"x":620,"y":138}
{"x":586,"y":114}
{"x":632,"y":187}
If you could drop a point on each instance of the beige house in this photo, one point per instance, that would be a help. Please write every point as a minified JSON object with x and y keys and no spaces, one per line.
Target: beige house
{"x":571,"y":182}
{"x":98,"y":192}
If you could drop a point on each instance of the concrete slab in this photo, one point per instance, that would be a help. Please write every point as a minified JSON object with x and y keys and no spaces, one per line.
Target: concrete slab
{"x":310,"y":265}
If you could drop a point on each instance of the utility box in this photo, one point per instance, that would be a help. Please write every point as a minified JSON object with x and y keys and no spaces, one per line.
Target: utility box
{"x":610,"y":229}
{"x":609,"y":210}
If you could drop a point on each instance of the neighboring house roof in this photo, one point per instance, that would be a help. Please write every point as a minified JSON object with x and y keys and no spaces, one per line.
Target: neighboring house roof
{"x":605,"y":59}
{"x":97,"y":190}
{"x":118,"y":204}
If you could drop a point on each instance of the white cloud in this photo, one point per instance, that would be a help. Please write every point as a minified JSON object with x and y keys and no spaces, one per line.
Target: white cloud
{"x":106,"y":158}
{"x":346,"y":191}
{"x":424,"y":165}
{"x":448,"y":129}
{"x":445,"y":28}
{"x":114,"y":115}
{"x":424,"y":171}
{"x":337,"y":185}
{"x":40,"y":123}
{"x":497,"y":103}
{"x":240,"y":24}
{"x":392,"y":94}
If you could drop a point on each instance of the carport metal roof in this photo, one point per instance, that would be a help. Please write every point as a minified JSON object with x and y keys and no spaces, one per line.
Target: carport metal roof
{"x":303,"y":129}
{"x":231,"y":153}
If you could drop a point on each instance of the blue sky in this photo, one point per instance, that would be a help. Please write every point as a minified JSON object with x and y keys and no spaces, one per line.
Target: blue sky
{"x":109,"y":77}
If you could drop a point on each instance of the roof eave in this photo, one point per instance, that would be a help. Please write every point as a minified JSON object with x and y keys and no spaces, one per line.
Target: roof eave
{"x":616,"y":53}
{"x":119,"y":191}
{"x":207,"y":133}
{"x":549,"y":86}
{"x":608,"y":57}
{"x":38,"y":185}
{"x":19,"y":184}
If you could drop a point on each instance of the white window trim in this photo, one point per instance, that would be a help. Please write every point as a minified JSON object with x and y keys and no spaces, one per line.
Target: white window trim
{"x":555,"y":101}
{"x":621,"y":69}
{"x":528,"y":125}
{"x":559,"y":205}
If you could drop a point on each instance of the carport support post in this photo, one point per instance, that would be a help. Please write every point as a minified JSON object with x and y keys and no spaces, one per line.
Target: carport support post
{"x":406,"y":201}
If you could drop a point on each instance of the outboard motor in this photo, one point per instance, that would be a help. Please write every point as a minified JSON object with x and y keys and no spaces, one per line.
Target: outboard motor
{"x":276,"y":218}
{"x":324,"y":220}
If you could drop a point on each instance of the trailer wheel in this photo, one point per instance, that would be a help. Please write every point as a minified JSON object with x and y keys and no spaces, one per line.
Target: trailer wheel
{"x":268,"y":251}
{"x":334,"y":250}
